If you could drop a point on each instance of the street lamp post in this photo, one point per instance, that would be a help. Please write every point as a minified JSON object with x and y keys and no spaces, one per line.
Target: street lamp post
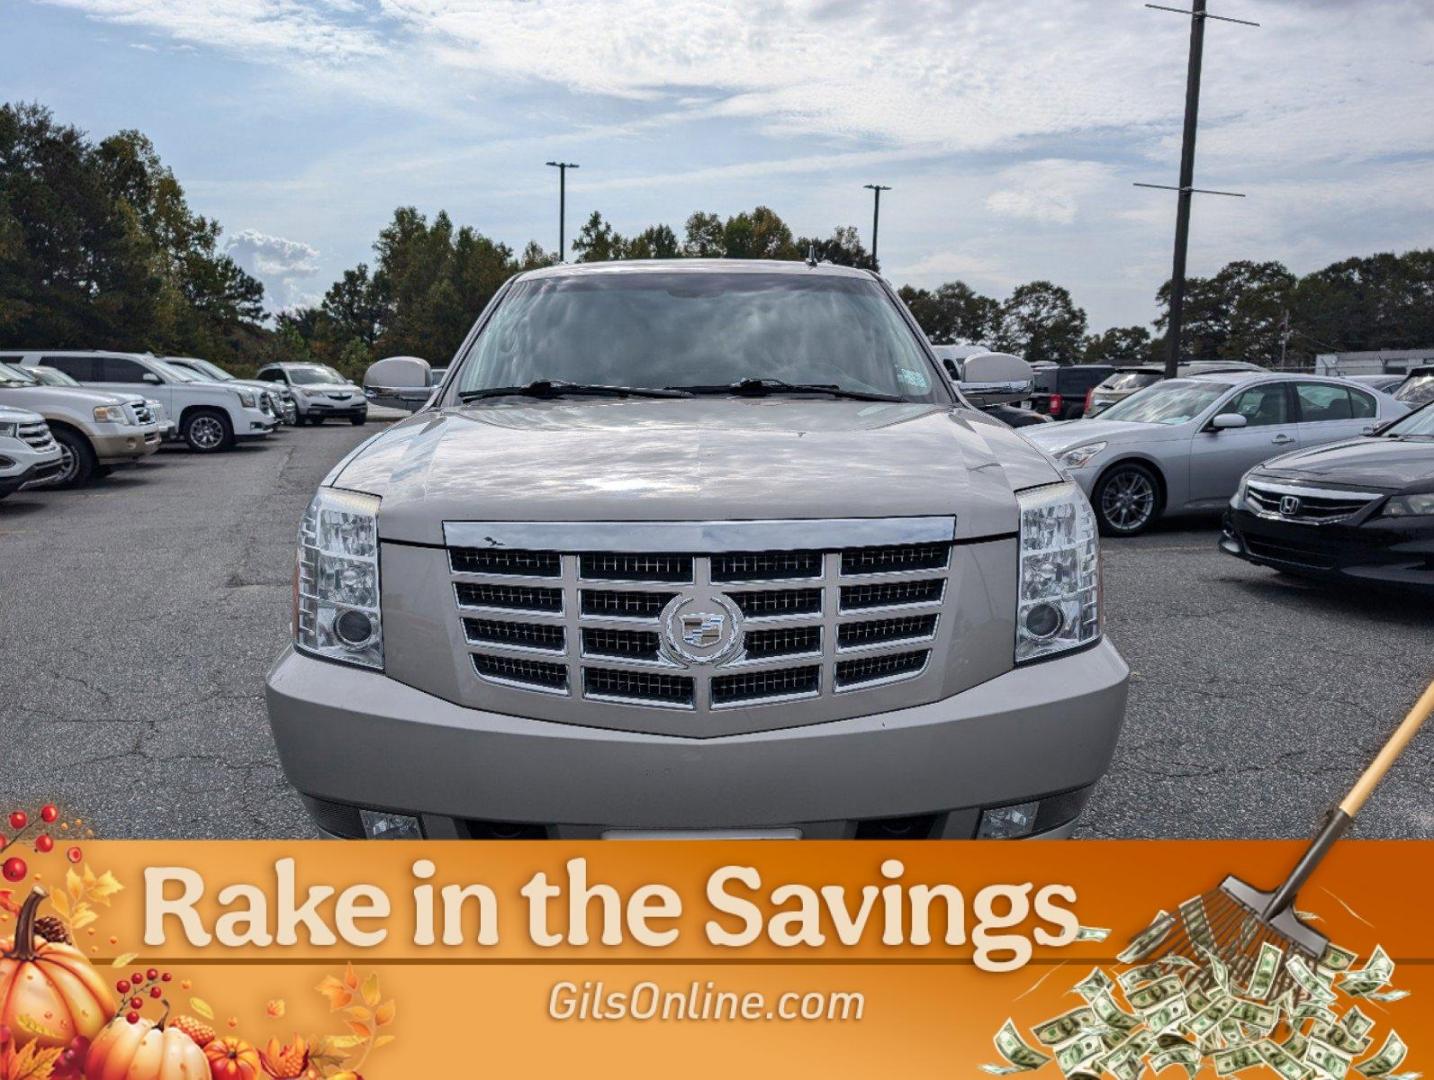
{"x":876,"y":190}
{"x":562,"y":167}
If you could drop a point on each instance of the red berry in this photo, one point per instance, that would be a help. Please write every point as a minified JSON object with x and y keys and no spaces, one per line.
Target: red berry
{"x":74,"y":854}
{"x":19,"y":819}
{"x":122,"y":986}
{"x":132,"y":1017}
{"x":137,"y":978}
{"x":155,"y":991}
{"x":136,"y":1003}
{"x":14,"y":869}
{"x":44,"y":844}
{"x":4,"y":841}
{"x":152,"y":974}
{"x":165,"y":977}
{"x":49,"y":812}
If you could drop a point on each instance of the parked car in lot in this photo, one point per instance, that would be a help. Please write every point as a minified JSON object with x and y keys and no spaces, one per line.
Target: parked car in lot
{"x":1416,"y":388}
{"x":95,"y":431}
{"x":53,"y":377}
{"x":28,"y":452}
{"x":210,"y":416}
{"x":1385,"y":384}
{"x":1181,"y":445}
{"x":1124,"y":381}
{"x":1360,"y":511}
{"x":697,"y":548}
{"x":1062,"y":392}
{"x":320,"y":393}
{"x":282,"y":398}
{"x":1013,"y":410}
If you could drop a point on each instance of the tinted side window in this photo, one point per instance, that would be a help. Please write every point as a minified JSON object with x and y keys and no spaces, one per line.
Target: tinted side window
{"x":271,"y":375}
{"x":1321,"y":402}
{"x":1262,"y":406}
{"x":13,"y":359}
{"x":1364,"y":406}
{"x":121,"y":369}
{"x":79,"y":368}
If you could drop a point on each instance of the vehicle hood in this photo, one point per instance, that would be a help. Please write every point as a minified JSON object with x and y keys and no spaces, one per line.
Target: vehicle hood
{"x":693,"y":460}
{"x":1065,"y":435}
{"x":75,"y":396}
{"x":1376,"y":462}
{"x":19,"y":416}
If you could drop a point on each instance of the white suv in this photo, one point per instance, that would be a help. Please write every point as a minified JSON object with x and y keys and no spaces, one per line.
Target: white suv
{"x":28,"y":452}
{"x":210,"y":416}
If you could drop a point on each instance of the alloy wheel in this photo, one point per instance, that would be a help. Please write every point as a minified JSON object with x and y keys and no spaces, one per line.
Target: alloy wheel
{"x":69,"y":464}
{"x":1127,"y":501}
{"x":206,"y":432}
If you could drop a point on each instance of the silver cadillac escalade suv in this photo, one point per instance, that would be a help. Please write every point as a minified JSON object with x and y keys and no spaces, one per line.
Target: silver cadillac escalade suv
{"x":696,"y":549}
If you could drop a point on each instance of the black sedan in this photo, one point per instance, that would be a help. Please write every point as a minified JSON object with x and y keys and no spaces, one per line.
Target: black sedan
{"x":1359,"y":511}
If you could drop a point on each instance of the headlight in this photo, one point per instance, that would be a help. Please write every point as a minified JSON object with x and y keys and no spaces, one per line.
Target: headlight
{"x":1080,"y":456}
{"x":1059,"y":603}
{"x":9,"y":431}
{"x":246,"y":398}
{"x":1410,"y":505}
{"x":336,"y":587}
{"x":300,"y":393}
{"x":1238,"y":499}
{"x":110,"y":414}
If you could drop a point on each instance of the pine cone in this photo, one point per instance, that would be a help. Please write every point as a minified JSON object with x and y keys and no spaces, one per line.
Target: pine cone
{"x":52,"y":929}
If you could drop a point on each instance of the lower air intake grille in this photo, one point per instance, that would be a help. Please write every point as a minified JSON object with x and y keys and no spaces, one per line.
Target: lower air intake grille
{"x":765,"y":685}
{"x":537,"y":673}
{"x":891,"y":594}
{"x":871,"y":668}
{"x":640,"y":686}
{"x":516,"y":634}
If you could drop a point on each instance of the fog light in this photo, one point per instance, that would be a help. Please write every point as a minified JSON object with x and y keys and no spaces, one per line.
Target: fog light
{"x":1008,"y":822}
{"x":380,"y":826}
{"x":1044,"y":621}
{"x":353,"y":628}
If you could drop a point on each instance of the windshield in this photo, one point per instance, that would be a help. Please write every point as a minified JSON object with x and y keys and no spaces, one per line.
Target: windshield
{"x":1130,"y":380}
{"x":705,"y":328}
{"x":213,"y":371}
{"x":10,"y":376}
{"x":1172,"y":401}
{"x":1416,"y":389}
{"x":177,"y":373}
{"x":52,"y":376}
{"x":1417,"y":425}
{"x":313,"y":375}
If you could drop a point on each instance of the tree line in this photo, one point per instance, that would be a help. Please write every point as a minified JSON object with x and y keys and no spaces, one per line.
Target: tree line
{"x":99,"y":249}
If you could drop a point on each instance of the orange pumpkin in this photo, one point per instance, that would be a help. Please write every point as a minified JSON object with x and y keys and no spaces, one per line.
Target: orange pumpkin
{"x":49,"y":994}
{"x":144,"y":1051}
{"x":231,"y":1058}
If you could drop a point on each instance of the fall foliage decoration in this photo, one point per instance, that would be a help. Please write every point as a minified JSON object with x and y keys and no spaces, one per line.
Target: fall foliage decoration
{"x":49,"y":993}
{"x":145,"y":1050}
{"x":197,"y":1030}
{"x":231,"y":1058}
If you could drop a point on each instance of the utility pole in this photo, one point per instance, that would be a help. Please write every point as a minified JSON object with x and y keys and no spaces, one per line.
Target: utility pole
{"x":562,"y":167}
{"x":1186,"y":188}
{"x":876,"y":190}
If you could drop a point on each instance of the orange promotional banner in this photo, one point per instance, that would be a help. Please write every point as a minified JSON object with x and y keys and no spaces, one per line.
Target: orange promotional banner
{"x":837,"y":959}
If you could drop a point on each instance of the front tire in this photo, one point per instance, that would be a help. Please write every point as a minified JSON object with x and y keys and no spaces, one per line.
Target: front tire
{"x":207,"y":431}
{"x":77,"y":459}
{"x":358,"y":421}
{"x":313,"y":421}
{"x":1127,"y":500}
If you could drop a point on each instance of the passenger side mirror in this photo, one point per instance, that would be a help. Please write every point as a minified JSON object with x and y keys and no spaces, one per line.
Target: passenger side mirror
{"x":1228,"y":420}
{"x":151,"y":378}
{"x":995,"y":379}
{"x":401,"y":382}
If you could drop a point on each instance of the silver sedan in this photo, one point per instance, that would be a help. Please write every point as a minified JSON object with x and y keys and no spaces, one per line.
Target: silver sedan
{"x":1181,"y":446}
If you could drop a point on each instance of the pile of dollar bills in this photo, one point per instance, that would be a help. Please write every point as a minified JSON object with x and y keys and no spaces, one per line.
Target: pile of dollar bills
{"x":1301,"y":1020}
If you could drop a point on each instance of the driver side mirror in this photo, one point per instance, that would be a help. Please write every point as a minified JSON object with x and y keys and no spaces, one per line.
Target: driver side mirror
{"x":1227,"y":421}
{"x":995,"y":379}
{"x":151,"y":378}
{"x":401,"y":382}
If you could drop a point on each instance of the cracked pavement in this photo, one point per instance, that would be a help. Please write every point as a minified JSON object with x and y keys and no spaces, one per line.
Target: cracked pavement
{"x":138,"y":617}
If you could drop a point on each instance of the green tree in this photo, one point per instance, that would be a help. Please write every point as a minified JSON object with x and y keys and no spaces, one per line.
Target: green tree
{"x":704,"y":237}
{"x":1118,"y":345}
{"x":654,"y":242}
{"x":953,"y":312}
{"x":1040,"y":321}
{"x":758,"y":235}
{"x":598,"y":241}
{"x":843,"y":247}
{"x":1234,"y":315}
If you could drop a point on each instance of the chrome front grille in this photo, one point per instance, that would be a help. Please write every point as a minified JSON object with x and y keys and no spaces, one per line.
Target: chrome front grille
{"x":1312,"y":506}
{"x":611,"y":607}
{"x":141,"y":413}
{"x":37,"y":436}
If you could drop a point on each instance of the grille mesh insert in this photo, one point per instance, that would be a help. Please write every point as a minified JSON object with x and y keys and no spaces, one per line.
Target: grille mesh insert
{"x":894,"y":558}
{"x":616,"y":566}
{"x":877,"y":631}
{"x":628,"y":644}
{"x":511,"y":597}
{"x":871,"y":668}
{"x":523,"y":635}
{"x":772,"y":602}
{"x":539,"y":673}
{"x":624,"y":605}
{"x":786,"y":641}
{"x":766,"y":565}
{"x":506,"y":561}
{"x":760,"y":685}
{"x":638,"y":686}
{"x":889,"y":593}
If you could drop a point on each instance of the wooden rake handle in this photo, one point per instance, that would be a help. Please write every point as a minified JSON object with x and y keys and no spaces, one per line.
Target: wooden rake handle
{"x":1358,"y":795}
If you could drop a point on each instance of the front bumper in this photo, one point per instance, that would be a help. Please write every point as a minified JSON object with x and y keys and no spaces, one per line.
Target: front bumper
{"x":1393,"y":552}
{"x":355,"y":738}
{"x":116,"y":444}
{"x":255,"y":424}
{"x":327,"y":407}
{"x":33,"y":473}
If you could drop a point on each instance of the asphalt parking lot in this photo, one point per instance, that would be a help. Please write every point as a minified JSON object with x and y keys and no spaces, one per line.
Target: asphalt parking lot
{"x":137,"y":619}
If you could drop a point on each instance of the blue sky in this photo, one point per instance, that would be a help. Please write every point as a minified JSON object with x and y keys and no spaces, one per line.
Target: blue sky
{"x":1010,"y":130}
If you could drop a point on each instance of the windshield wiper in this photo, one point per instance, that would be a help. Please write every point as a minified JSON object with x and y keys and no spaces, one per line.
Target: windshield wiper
{"x":753,"y":387}
{"x":551,"y":388}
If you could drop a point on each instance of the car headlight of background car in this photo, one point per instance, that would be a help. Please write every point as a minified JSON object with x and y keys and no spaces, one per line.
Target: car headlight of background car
{"x":9,"y":430}
{"x":336,"y":586}
{"x":1410,"y":505}
{"x":110,"y":414}
{"x":246,"y":398}
{"x":1058,"y":607}
{"x":1080,"y":456}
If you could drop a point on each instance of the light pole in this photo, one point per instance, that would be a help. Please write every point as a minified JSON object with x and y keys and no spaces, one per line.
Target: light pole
{"x":562,"y":167}
{"x":876,"y":190}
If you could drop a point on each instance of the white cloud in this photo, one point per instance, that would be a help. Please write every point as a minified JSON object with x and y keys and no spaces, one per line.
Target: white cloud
{"x":284,"y":266}
{"x":1047,"y":191}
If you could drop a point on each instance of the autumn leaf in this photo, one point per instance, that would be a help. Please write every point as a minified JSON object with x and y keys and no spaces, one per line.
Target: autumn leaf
{"x":336,"y":1043}
{"x":351,"y":979}
{"x":101,"y":889}
{"x":383,"y":1040}
{"x":26,"y":1022}
{"x":61,"y":903}
{"x":123,"y":960}
{"x":84,"y":915}
{"x":337,"y":993}
{"x":33,"y":1063}
{"x":74,"y":885}
{"x":363,"y":1031}
{"x":359,"y":1013}
{"x":202,"y":1007}
{"x":371,"y":993}
{"x":384,"y":1014}
{"x":276,"y":1008}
